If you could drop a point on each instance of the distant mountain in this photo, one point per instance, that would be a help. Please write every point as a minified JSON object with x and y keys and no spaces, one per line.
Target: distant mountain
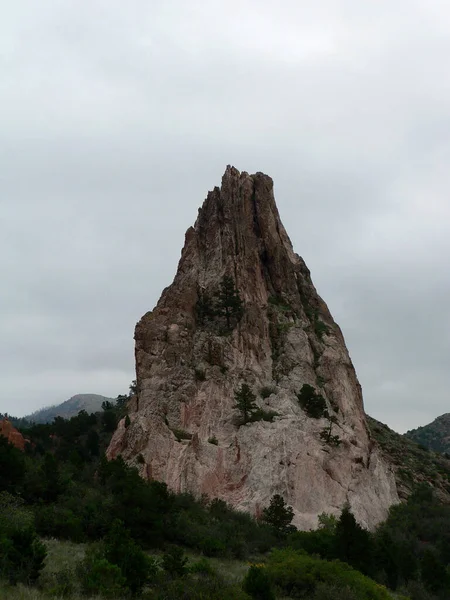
{"x":412,"y":463}
{"x":435,"y":435}
{"x":70,"y":408}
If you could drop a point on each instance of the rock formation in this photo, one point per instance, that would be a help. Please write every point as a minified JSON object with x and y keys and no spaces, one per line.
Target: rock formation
{"x":191,"y":359}
{"x":13,"y":436}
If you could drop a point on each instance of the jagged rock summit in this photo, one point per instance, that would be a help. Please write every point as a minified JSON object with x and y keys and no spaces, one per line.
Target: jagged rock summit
{"x":191,"y":358}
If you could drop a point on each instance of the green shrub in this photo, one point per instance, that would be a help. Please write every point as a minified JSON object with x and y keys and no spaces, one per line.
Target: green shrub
{"x":60,"y":583}
{"x":213,"y":440}
{"x":263,"y":415}
{"x":267,"y":391}
{"x":298,"y":575}
{"x":120,"y":549}
{"x":201,"y":566}
{"x":22,"y":554}
{"x":320,"y":328}
{"x":312,"y":403}
{"x":199,"y":375}
{"x":174,"y":562}
{"x":257,"y":584}
{"x":98,"y":576}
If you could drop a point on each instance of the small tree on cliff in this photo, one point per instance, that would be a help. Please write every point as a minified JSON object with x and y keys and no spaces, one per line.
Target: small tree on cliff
{"x":245,"y":402}
{"x":229,"y":303}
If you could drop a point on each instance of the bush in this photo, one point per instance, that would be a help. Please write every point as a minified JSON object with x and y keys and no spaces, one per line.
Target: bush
{"x":199,"y":375}
{"x":98,"y":576}
{"x":257,"y":584}
{"x":201,"y":566}
{"x":22,"y":554}
{"x":213,"y":440}
{"x":263,"y":415}
{"x":174,"y":562}
{"x":120,"y":549}
{"x":267,"y":391}
{"x":312,"y":403}
{"x":298,"y":575}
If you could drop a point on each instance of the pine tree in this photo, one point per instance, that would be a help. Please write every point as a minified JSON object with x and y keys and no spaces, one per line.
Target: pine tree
{"x":279,"y":514}
{"x":245,"y":402}
{"x":229,"y":303}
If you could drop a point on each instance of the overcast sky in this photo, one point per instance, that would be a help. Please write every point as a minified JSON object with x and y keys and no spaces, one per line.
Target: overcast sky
{"x":117,"y":118}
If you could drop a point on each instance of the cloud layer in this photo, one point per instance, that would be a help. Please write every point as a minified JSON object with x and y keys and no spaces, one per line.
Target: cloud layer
{"x":118,"y":117}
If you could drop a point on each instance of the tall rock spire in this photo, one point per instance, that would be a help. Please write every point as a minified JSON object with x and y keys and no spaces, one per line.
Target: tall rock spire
{"x":283,"y":343}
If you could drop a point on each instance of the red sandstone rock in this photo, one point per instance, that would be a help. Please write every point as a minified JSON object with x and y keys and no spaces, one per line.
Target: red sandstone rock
{"x":286,"y":338}
{"x":12,"y":435}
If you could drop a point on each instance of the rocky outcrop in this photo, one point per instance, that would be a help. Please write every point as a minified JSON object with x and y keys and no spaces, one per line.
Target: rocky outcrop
{"x":190,"y":361}
{"x":13,"y":436}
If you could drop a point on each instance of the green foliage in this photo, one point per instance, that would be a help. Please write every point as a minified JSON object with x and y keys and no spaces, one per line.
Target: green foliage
{"x":213,"y":440}
{"x":279,"y":303}
{"x":279,"y":515}
{"x":312,"y":403}
{"x":202,"y":566}
{"x":267,"y":391}
{"x":298,"y":575}
{"x":127,"y":422}
{"x":199,"y":375}
{"x":263,"y":415}
{"x":320,"y":328}
{"x":224,"y":306}
{"x":22,"y":554}
{"x":245,"y":402}
{"x":229,"y":303}
{"x":353,"y":543}
{"x":12,"y":466}
{"x":174,"y":562}
{"x":327,"y":438}
{"x":413,"y":465}
{"x":120,"y":549}
{"x":97,"y":575}
{"x":257,"y":584}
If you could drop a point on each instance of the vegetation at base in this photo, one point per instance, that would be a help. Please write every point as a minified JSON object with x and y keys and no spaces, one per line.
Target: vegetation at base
{"x":127,"y":537}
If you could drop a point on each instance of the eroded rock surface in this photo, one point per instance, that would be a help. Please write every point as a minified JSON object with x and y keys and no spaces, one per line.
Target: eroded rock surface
{"x":183,"y":426}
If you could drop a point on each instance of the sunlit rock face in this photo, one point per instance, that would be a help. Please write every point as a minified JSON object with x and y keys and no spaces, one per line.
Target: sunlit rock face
{"x":184,"y":427}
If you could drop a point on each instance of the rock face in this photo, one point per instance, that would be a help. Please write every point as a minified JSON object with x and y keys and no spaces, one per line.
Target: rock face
{"x":189,"y":363}
{"x":13,"y":436}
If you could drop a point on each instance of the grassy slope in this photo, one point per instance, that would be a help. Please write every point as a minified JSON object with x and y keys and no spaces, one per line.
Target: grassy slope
{"x":64,"y":555}
{"x":412,"y":463}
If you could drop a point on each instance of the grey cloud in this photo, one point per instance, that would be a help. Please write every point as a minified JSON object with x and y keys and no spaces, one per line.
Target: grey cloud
{"x":116,"y":119}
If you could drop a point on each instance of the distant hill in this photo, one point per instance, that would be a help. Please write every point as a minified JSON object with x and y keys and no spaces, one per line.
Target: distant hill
{"x":435,"y":435}
{"x":70,"y":408}
{"x":412,"y":463}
